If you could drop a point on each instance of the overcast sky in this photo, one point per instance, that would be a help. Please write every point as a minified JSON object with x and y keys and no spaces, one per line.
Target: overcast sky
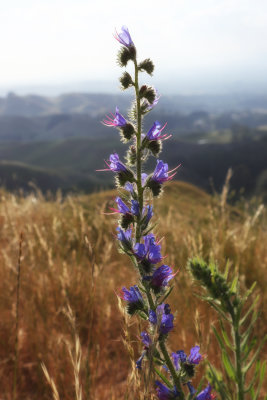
{"x":58,"y":41}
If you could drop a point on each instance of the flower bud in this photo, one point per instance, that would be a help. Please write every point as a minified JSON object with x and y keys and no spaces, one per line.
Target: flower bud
{"x":131,"y":156}
{"x":146,"y":65}
{"x":148,"y":93}
{"x":155,"y":146}
{"x":127,"y":132}
{"x":123,"y":177}
{"x":126,"y":220}
{"x":126,"y":80}
{"x":126,"y":54}
{"x":154,"y":186}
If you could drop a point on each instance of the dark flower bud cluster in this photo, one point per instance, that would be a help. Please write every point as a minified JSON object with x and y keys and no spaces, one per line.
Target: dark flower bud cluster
{"x":147,"y":66}
{"x":146,"y":299}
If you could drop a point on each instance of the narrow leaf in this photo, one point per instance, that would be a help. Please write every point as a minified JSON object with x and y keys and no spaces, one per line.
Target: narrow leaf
{"x":229,"y":368}
{"x":165,"y":380}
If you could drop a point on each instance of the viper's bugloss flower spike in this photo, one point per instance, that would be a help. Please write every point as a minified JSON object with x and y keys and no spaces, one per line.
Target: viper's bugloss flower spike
{"x":164,"y":393}
{"x":206,"y":394}
{"x":124,"y":37}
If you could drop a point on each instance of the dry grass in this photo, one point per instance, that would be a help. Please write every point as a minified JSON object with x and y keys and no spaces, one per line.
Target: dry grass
{"x":70,"y":270}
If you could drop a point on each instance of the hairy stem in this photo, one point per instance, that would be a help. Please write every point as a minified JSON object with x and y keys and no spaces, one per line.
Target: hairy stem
{"x":171,"y":368}
{"x":138,"y":153}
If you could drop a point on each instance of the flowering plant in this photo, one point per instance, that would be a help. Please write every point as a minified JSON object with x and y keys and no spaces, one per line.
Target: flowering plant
{"x":147,"y":299}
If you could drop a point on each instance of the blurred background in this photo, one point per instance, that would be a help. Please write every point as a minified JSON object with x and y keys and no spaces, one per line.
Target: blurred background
{"x":59,"y":77}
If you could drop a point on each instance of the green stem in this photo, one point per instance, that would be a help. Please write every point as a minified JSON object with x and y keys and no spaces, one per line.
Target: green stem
{"x":138,"y":153}
{"x":171,"y":368}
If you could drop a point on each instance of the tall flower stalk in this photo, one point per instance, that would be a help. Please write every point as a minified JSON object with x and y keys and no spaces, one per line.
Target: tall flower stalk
{"x":147,"y":299}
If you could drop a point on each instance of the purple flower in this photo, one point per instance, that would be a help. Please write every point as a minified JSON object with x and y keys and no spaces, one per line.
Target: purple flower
{"x":155,"y":132}
{"x":155,"y":102}
{"x":132,"y":295}
{"x":134,"y":299}
{"x":124,"y":236}
{"x":118,"y":120}
{"x":180,"y":357}
{"x":154,"y":255}
{"x":164,"y":393}
{"x":146,"y":340}
{"x":140,"y":250}
{"x":144,"y":178}
{"x":162,"y":276}
{"x":152,"y":317}
{"x":163,"y":318}
{"x":149,"y":214}
{"x":139,"y":361}
{"x":206,"y":394}
{"x":150,"y":249}
{"x":191,"y":388}
{"x":115,"y":164}
{"x":124,"y":37}
{"x":135,"y":207}
{"x":129,"y":187}
{"x":195,"y":357}
{"x":122,"y":208}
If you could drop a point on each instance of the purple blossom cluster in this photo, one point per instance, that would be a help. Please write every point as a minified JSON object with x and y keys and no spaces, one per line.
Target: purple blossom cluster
{"x":135,"y":238}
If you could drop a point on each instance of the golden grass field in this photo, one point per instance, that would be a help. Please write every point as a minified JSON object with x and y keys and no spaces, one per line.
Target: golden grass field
{"x":69,"y":315}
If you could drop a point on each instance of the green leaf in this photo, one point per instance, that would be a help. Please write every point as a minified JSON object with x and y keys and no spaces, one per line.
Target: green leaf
{"x":218,"y":382}
{"x":219,"y":338}
{"x":163,"y":377}
{"x":218,"y":309}
{"x":255,"y":376}
{"x":262,"y":376}
{"x":229,"y":368}
{"x":166,"y":294}
{"x":246,"y":334}
{"x":248,"y":292}
{"x":228,"y":264}
{"x":225,"y":337}
{"x":234,"y":285}
{"x":246,"y":351}
{"x":251,"y":308}
{"x":255,"y":355}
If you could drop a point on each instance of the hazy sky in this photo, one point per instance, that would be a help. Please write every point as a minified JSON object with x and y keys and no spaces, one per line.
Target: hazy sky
{"x":58,"y":41}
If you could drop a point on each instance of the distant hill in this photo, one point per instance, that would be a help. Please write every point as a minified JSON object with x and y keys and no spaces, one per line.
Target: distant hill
{"x":74,"y":162}
{"x":96,"y":104}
